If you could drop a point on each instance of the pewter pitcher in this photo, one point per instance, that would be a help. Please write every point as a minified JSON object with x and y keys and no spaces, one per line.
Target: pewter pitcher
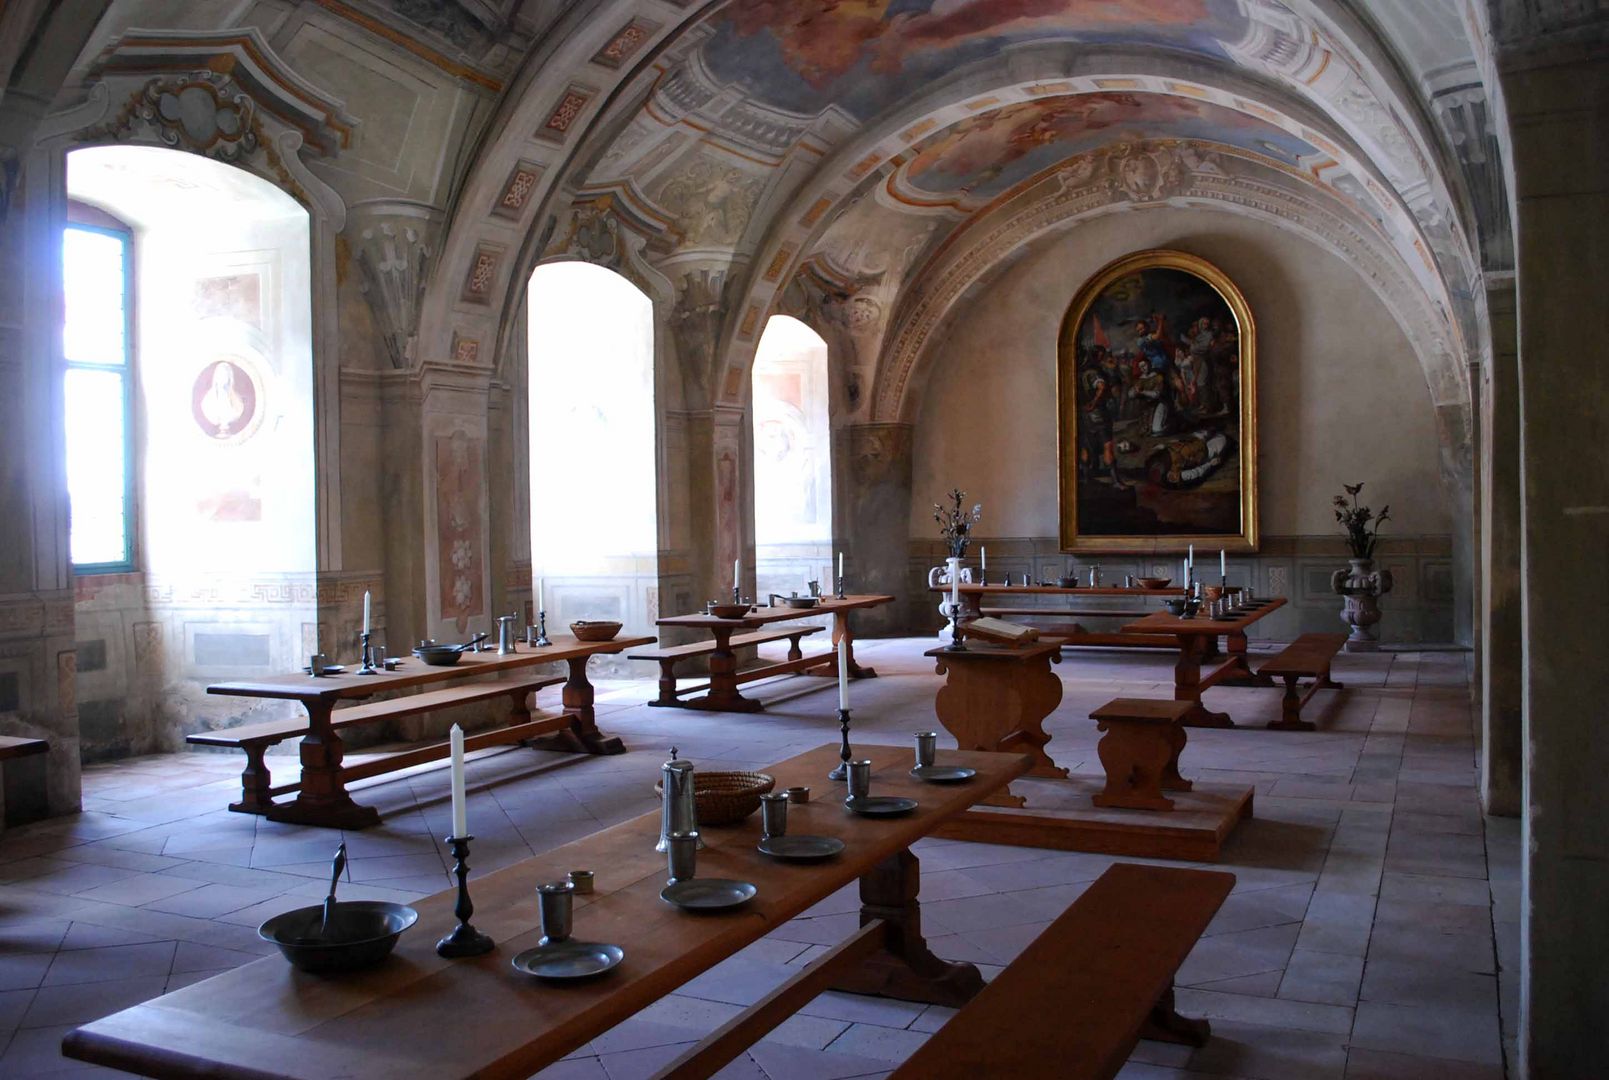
{"x":680,"y":811}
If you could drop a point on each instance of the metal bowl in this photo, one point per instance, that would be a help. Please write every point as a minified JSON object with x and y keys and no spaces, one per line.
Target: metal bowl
{"x":1176,"y":605}
{"x":1067,"y":583}
{"x":595,"y":629}
{"x":439,"y":655}
{"x":800,"y":601}
{"x":362,"y":933}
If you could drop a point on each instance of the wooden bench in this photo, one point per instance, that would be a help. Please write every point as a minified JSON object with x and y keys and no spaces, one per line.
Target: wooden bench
{"x":1099,"y":979}
{"x":1140,"y":752}
{"x":671,"y":655}
{"x":1309,"y":657}
{"x":258,"y":791}
{"x":25,"y":792}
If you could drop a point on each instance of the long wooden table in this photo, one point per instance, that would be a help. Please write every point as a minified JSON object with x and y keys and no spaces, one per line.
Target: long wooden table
{"x":977,"y":600}
{"x":1198,"y":639}
{"x":420,"y":1016}
{"x":723,"y":694}
{"x":323,"y":799}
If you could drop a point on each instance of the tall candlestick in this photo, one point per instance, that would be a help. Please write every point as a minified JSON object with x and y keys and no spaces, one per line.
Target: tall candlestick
{"x":843,"y":673}
{"x":365,"y":611}
{"x":460,"y":814}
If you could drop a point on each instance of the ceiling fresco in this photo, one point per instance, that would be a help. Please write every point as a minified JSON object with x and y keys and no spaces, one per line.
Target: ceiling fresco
{"x":865,"y":55}
{"x":986,"y":155}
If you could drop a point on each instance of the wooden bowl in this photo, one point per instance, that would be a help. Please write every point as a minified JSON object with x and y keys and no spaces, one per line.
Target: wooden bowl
{"x":595,"y":629}
{"x":1153,"y":582}
{"x":726,"y":798}
{"x":730,"y":611}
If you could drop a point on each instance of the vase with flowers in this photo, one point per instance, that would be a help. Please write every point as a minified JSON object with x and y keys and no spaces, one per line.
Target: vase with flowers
{"x":955,"y":526}
{"x":1360,"y":586}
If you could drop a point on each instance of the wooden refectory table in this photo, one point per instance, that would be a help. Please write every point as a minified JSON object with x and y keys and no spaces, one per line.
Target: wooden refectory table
{"x":723,"y":694}
{"x":323,"y":798}
{"x":1198,"y":639}
{"x":420,"y":1016}
{"x":979,"y":599}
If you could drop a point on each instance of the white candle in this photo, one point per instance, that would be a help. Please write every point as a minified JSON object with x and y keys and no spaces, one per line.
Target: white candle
{"x":540,"y":606}
{"x":843,"y":674}
{"x":955,"y":596}
{"x":460,"y":816}
{"x":1223,"y":564}
{"x":365,"y":611}
{"x":840,"y":564}
{"x":1190,"y":557}
{"x":737,"y":573}
{"x":983,"y":558}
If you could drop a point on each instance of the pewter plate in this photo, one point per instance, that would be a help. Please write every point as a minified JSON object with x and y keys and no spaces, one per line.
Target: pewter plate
{"x":708,"y":894}
{"x":801,"y":848}
{"x":568,"y":960}
{"x":881,"y":805}
{"x":329,"y":669}
{"x":943,"y":774}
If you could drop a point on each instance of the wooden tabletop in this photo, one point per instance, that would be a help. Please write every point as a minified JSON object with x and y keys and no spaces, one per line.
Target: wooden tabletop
{"x":1162,"y":622}
{"x":979,"y":651}
{"x":419,"y":1016}
{"x":1057,"y":590}
{"x":415,"y":672}
{"x":761,"y":615}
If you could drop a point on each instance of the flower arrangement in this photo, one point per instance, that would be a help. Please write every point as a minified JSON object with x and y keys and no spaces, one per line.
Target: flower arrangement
{"x":955,"y":524}
{"x":1355,"y":520}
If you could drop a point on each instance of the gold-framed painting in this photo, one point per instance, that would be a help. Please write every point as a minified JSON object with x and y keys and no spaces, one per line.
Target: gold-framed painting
{"x":1157,"y":400}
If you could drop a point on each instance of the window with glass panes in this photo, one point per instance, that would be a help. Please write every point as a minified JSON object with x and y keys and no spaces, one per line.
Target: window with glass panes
{"x":96,"y":263}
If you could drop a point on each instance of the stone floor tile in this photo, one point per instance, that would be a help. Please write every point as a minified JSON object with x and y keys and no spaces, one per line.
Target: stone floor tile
{"x":111,"y":963}
{"x":1265,"y":1011}
{"x":586,"y":1068}
{"x":811,"y":1032}
{"x":1439,"y":1031}
{"x":878,"y":1043}
{"x":139,"y":889}
{"x":1324,"y":977}
{"x":82,"y":1002}
{"x":861,"y":1009}
{"x":23,"y":971}
{"x":1247,"y":952}
{"x":1259,"y":1053}
{"x":793,"y":1063}
{"x":1364,"y":1064}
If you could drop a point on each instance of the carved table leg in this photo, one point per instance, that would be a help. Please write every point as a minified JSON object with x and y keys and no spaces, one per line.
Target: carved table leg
{"x":904,"y":967}
{"x":667,"y":684}
{"x":1134,"y":754}
{"x":255,"y":782}
{"x":1171,"y":780}
{"x":723,"y":695}
{"x":583,"y":736}
{"x":323,"y":799}
{"x":1243,"y":675}
{"x":1187,"y":683}
{"x":829,"y":668}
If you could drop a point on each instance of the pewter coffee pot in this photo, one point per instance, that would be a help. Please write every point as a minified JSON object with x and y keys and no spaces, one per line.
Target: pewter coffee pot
{"x":680,"y":811}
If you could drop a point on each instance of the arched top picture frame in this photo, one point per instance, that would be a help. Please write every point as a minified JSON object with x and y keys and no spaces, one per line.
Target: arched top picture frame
{"x":1157,"y":406}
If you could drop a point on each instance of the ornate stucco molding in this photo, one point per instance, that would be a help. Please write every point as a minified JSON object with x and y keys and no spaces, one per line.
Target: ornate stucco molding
{"x":1096,"y":183}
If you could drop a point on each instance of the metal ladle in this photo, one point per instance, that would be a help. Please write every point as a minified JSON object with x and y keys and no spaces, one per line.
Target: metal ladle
{"x":329,"y":901}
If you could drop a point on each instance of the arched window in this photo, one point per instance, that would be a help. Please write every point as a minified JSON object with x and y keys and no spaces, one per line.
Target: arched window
{"x":201,"y":302}
{"x":792,"y":459}
{"x":594,"y":490}
{"x":97,"y":264}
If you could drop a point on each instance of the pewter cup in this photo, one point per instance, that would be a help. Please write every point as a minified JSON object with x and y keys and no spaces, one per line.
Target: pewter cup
{"x":316,"y":663}
{"x":583,"y":881}
{"x":555,"y":903}
{"x":927,"y":748}
{"x":377,"y":656}
{"x":774,"y":814}
{"x":798,"y":794}
{"x":860,"y":779}
{"x":683,"y":855}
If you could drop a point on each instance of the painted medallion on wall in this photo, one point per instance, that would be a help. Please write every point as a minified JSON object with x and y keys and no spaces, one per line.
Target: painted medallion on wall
{"x":223,"y":400}
{"x":1158,"y":409}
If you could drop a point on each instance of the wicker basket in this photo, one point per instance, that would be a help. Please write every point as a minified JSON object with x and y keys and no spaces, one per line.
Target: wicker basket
{"x":595,"y":629}
{"x":726,"y":798}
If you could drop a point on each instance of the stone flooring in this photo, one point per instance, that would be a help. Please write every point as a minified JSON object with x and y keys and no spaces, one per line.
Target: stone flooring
{"x":1372,"y":934}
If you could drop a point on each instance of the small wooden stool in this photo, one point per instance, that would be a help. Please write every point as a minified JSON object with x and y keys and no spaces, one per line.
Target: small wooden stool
{"x":1140,"y":752}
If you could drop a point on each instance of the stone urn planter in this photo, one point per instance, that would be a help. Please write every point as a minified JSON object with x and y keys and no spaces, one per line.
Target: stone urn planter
{"x":1361,"y":586}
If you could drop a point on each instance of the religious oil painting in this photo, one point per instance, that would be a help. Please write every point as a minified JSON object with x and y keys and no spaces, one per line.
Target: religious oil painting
{"x":1158,"y":409}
